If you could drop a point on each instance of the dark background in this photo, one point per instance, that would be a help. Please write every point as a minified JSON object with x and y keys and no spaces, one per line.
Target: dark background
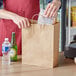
{"x":1,"y":2}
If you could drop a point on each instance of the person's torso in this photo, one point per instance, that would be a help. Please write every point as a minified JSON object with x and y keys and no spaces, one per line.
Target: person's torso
{"x":26,"y":8}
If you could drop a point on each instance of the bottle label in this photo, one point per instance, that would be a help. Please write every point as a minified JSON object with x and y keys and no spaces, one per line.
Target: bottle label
{"x":5,"y":49}
{"x":12,"y":52}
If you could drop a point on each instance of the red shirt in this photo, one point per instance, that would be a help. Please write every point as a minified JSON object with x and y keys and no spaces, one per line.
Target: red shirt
{"x":25,"y":8}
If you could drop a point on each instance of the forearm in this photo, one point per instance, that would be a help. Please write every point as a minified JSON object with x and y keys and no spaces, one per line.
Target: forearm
{"x":4,"y":14}
{"x":20,"y":21}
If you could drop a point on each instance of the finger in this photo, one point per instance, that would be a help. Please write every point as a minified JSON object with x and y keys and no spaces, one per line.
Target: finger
{"x":49,"y":10}
{"x":55,"y":13}
{"x":19,"y":25}
{"x":52,"y":11}
{"x":55,"y":16}
{"x":54,"y":19}
{"x":48,"y":6}
{"x":28,"y":24}
{"x":24,"y":23}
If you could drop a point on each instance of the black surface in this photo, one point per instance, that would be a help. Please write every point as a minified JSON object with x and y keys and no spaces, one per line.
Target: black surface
{"x":63,"y":26}
{"x":70,"y":52}
{"x":1,"y":3}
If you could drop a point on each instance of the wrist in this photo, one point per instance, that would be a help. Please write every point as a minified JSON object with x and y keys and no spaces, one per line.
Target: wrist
{"x":13,"y":16}
{"x":56,"y":0}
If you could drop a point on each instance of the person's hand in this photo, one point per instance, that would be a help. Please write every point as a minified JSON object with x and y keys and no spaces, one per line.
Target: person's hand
{"x":21,"y":21}
{"x":52,"y":9}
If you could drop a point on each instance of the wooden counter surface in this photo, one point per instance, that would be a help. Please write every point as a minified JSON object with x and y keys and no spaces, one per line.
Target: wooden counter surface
{"x":66,"y":68}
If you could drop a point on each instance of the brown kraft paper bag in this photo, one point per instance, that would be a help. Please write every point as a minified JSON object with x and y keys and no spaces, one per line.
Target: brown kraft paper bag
{"x":40,"y":45}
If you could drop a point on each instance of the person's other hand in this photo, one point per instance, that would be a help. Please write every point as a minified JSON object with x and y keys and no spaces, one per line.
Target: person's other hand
{"x":52,"y":9}
{"x":21,"y":21}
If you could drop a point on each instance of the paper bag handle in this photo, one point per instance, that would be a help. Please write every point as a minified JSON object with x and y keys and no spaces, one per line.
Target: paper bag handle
{"x":34,"y":16}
